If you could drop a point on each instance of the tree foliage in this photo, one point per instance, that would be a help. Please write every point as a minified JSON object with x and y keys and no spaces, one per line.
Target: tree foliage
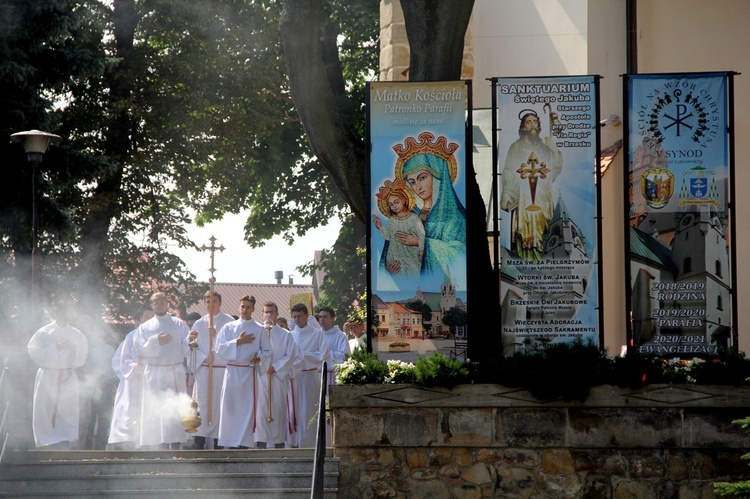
{"x":425,"y":309}
{"x":189,"y":105}
{"x":455,"y":317}
{"x":37,"y":63}
{"x":343,"y":267}
{"x":740,"y":488}
{"x":435,"y":30}
{"x":351,"y":49}
{"x":165,"y":108}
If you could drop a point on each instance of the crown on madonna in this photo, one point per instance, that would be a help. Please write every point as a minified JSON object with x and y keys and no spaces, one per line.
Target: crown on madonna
{"x":426,"y":145}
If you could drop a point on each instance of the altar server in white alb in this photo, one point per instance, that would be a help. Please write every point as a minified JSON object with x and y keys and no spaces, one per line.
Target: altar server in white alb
{"x":314,"y":351}
{"x":244,"y":345}
{"x":336,"y":339}
{"x":273,"y":383}
{"x":162,"y":343}
{"x":58,"y":349}
{"x":126,"y":413}
{"x":207,"y":434}
{"x":359,"y":339}
{"x":338,"y":349}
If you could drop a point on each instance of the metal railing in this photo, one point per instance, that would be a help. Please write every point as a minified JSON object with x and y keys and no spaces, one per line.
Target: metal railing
{"x":320,"y":441}
{"x":5,"y":435}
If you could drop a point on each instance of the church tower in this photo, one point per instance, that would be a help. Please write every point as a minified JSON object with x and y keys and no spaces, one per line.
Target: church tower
{"x":565,"y":241}
{"x":701,"y":256}
{"x":447,"y":292}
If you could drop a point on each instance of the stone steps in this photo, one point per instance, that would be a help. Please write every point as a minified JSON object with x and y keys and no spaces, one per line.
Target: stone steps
{"x":220,"y":473}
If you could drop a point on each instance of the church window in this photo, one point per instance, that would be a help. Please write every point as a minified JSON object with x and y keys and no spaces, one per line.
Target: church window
{"x":687,"y":265}
{"x":718,"y":268}
{"x":719,"y":303}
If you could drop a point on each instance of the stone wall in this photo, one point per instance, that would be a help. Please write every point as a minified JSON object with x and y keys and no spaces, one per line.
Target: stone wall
{"x":665,"y":441}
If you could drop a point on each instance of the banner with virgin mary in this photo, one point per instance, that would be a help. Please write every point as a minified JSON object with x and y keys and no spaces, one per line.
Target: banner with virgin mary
{"x":417,"y":245}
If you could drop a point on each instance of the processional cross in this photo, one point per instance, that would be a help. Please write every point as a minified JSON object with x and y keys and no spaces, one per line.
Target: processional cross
{"x":533,"y":170}
{"x":211,"y":282}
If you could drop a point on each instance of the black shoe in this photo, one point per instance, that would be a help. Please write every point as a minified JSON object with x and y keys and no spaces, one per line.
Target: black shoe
{"x":261,"y":445}
{"x":199,"y":443}
{"x":121,"y":446}
{"x":64,"y":445}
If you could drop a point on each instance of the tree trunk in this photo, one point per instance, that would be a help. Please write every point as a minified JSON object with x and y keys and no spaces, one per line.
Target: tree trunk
{"x":118,"y":146}
{"x":436,"y":32}
{"x":318,"y":91}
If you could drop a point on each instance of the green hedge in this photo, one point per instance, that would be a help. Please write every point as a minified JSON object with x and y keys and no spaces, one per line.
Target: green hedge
{"x":551,"y":371}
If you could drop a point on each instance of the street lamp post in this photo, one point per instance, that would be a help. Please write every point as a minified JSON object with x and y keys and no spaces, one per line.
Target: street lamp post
{"x":35,"y":144}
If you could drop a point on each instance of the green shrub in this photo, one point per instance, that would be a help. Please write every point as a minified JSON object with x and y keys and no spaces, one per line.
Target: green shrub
{"x":556,"y":370}
{"x":438,"y":370}
{"x":551,"y":371}
{"x":727,"y":368}
{"x":634,"y":370}
{"x":736,"y":489}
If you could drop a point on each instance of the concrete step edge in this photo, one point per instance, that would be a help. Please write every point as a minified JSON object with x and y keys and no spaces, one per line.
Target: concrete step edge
{"x":175,"y":492}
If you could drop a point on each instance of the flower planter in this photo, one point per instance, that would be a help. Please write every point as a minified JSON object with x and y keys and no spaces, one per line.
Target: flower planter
{"x":399,"y":348}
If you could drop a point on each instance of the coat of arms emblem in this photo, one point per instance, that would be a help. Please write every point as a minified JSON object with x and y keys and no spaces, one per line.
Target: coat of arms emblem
{"x":657,"y":187}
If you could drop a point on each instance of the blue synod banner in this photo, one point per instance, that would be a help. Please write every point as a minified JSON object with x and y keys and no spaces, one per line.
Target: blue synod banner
{"x":548,"y":145}
{"x":677,"y":187}
{"x":418,"y":150}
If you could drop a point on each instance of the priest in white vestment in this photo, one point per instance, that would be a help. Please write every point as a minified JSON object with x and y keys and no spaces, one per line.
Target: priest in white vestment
{"x":271,"y":428}
{"x":162,"y":344}
{"x":124,"y":428}
{"x":244,"y":345}
{"x":207,"y":434}
{"x":58,"y":349}
{"x":314,"y":351}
